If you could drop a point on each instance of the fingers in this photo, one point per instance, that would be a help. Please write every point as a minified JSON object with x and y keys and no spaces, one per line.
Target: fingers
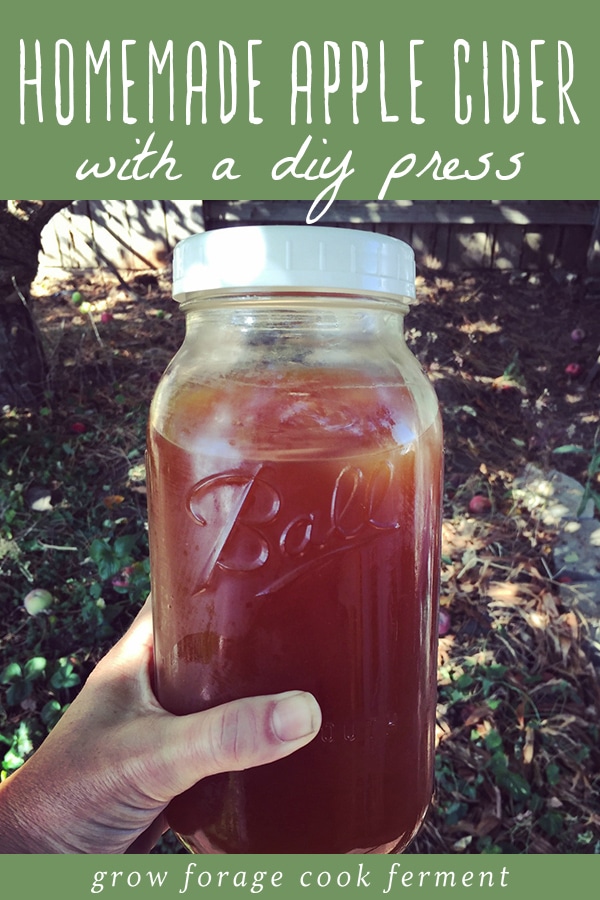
{"x":131,"y":656}
{"x":295,"y":716}
{"x":139,"y":634}
{"x":237,"y":735}
{"x":145,"y":842}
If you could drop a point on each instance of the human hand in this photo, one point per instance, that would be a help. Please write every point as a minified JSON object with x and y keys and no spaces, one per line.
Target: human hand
{"x":101,"y":780}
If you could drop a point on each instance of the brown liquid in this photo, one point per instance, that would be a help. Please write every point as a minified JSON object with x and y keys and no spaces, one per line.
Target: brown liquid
{"x":311,"y":567}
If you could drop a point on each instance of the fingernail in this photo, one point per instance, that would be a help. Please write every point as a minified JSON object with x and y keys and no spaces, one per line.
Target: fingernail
{"x":296,"y":715}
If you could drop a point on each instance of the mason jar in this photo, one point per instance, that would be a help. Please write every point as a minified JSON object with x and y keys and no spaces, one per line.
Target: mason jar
{"x":295,"y":481}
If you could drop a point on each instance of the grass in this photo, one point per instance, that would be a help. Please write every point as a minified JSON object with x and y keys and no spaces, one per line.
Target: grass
{"x":518,"y":735}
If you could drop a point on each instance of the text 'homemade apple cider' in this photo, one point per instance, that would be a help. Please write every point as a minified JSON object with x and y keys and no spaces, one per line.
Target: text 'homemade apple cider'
{"x":295,"y":468}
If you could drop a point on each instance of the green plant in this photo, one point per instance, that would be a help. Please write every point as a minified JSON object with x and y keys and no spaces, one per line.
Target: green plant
{"x":64,"y":675}
{"x":113,"y":558}
{"x":590,"y":490}
{"x":20,"y":679}
{"x":25,"y":685}
{"x":20,"y":745}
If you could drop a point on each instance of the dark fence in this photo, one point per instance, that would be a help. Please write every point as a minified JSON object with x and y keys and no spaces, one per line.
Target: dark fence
{"x":525,"y":235}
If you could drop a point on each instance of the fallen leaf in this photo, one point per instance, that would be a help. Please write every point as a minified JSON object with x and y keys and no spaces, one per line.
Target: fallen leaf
{"x":529,"y":746}
{"x":462,"y":843}
{"x":488,"y":822}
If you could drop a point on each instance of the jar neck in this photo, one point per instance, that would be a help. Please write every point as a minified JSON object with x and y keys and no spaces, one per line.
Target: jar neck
{"x":320,"y":317}
{"x":285,"y":298}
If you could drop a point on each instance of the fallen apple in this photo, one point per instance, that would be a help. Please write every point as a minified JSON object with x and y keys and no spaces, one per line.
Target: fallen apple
{"x":444,"y":622}
{"x":573,"y":370}
{"x":37,"y":601}
{"x":479,"y":505}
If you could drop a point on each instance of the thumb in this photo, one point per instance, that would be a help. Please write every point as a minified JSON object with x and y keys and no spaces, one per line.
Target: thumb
{"x":234,"y":736}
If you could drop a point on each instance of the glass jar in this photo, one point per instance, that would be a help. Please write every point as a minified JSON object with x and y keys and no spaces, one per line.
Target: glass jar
{"x":295,"y":471}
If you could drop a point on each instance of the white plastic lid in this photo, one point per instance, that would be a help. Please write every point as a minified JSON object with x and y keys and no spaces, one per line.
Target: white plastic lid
{"x":242,"y":259}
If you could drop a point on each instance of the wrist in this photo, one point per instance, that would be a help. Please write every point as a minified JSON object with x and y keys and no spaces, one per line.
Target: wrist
{"x":22,"y":818}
